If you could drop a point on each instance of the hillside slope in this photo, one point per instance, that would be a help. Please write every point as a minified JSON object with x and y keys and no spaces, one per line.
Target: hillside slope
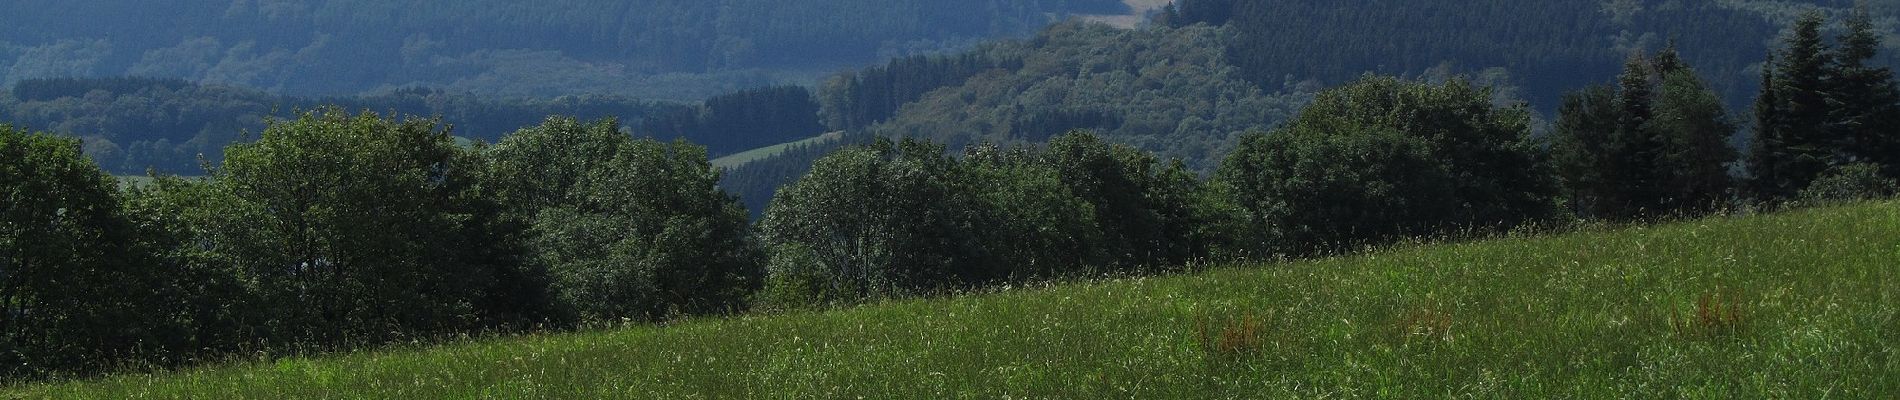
{"x":1169,"y":91}
{"x":1550,"y":46}
{"x":1793,"y":305}
{"x":665,"y":49}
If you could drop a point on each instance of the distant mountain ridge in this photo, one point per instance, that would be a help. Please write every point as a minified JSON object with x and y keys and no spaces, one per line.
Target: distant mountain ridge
{"x":1212,"y":69}
{"x":1183,"y":86}
{"x":655,"y":49}
{"x":1548,"y":47}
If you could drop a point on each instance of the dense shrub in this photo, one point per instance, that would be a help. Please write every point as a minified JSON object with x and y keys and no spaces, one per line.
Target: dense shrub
{"x":1848,"y":183}
{"x":625,"y":228}
{"x":70,"y":283}
{"x":902,"y":218}
{"x":883,"y":220}
{"x":1656,"y":145}
{"x":1321,"y":193}
{"x":359,"y":227}
{"x":1384,"y":158}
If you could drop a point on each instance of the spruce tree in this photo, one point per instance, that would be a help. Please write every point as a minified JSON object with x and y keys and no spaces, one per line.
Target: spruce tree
{"x":1796,"y":145}
{"x":1864,"y":103}
{"x":1693,"y":128}
{"x":1764,"y":153}
{"x":1636,"y":150}
{"x":1668,"y":61}
{"x":1653,"y":145}
{"x":1580,"y":149}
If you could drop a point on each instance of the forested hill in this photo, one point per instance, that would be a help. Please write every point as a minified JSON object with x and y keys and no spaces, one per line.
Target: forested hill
{"x":1215,"y":68}
{"x":679,"y":49}
{"x":1547,"y":46}
{"x":1211,"y":69}
{"x":1184,"y":87}
{"x":130,"y":125}
{"x":1165,"y":90}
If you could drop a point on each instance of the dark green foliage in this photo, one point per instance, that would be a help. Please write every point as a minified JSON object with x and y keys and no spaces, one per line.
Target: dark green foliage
{"x":856,"y":100}
{"x":626,"y":228}
{"x":1764,"y":147}
{"x":212,"y":300}
{"x":337,"y":231}
{"x":1211,"y":12}
{"x":890,"y":219}
{"x":1034,"y":219}
{"x":1321,"y":192}
{"x":1655,"y":145}
{"x":796,"y":279}
{"x":670,"y":49}
{"x":901,"y":219}
{"x":1793,"y":146}
{"x":36,"y":90}
{"x":1636,"y":150}
{"x":756,"y":182}
{"x":1169,"y":91}
{"x":740,"y":121}
{"x":1143,"y":205}
{"x":1223,"y":229}
{"x":353,"y":227}
{"x":1695,"y":132}
{"x":539,"y":167}
{"x":71,"y":281}
{"x":1384,"y":158}
{"x":1821,"y":107}
{"x":1865,"y":104}
{"x":1581,"y":149}
{"x":1847,"y":183}
{"x":1668,"y":61}
{"x":1634,"y":99}
{"x":1555,"y":45}
{"x":135,"y":125}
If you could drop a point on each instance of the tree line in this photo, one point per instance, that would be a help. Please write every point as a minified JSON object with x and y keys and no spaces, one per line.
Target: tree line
{"x":669,"y":49}
{"x":741,"y":120}
{"x":131,"y":125}
{"x":1170,"y":91}
{"x":337,"y":230}
{"x":1557,"y":45}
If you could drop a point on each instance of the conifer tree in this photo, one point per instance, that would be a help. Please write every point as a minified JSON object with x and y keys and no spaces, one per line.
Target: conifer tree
{"x":1865,"y":104}
{"x":1580,"y":148}
{"x":1694,"y":129}
{"x":1635,"y":149}
{"x":1653,"y":145}
{"x":1794,"y":145}
{"x":1668,"y":61}
{"x":1763,"y":161}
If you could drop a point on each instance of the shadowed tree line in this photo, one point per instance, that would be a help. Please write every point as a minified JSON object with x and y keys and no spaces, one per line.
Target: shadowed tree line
{"x":338,"y":230}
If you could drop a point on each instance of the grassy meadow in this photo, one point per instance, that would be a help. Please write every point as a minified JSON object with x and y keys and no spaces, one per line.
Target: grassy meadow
{"x":1794,"y":305}
{"x":742,"y":158}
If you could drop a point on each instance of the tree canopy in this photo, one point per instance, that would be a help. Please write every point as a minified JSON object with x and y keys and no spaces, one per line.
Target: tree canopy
{"x":665,"y":49}
{"x":1384,"y":158}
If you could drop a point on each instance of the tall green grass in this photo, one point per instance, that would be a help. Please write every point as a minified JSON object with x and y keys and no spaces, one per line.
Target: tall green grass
{"x":1796,"y":305}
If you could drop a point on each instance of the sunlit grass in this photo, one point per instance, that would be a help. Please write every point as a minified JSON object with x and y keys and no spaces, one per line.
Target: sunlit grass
{"x":742,"y":158}
{"x":1609,"y":314}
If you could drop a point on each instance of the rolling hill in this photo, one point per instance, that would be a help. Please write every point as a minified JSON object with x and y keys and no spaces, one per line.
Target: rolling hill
{"x":651,"y":49}
{"x":1212,"y":69}
{"x":1799,"y":304}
